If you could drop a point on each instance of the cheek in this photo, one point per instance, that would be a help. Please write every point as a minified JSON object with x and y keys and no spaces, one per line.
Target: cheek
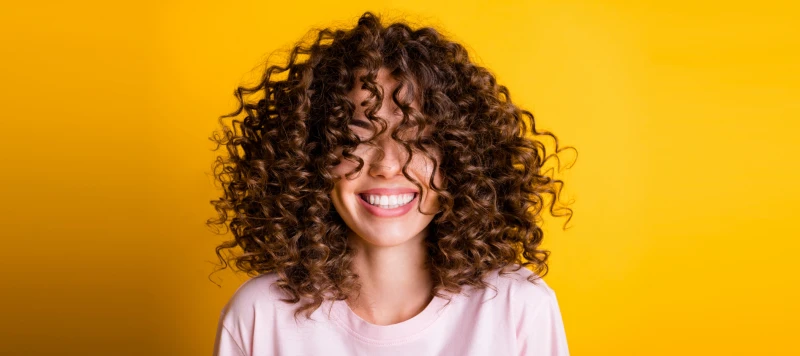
{"x":425,"y":170}
{"x":344,"y":166}
{"x":428,"y":169}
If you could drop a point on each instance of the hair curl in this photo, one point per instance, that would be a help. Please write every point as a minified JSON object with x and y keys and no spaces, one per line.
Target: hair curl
{"x":277,"y":174}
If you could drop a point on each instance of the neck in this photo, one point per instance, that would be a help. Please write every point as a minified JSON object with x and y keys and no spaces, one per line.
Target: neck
{"x":395,"y":283}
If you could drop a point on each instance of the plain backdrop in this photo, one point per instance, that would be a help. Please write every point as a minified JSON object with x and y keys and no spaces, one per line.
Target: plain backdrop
{"x":684,"y":115}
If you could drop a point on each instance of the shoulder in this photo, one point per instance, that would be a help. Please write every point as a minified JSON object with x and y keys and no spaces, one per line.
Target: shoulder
{"x":521,"y":290}
{"x":258,"y":295}
{"x":252,"y":306}
{"x":256,"y":290}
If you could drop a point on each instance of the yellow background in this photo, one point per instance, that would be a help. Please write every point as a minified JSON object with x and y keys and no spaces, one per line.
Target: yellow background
{"x":684,"y":114}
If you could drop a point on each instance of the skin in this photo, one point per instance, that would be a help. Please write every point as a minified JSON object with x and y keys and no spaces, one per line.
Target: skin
{"x":390,"y":253}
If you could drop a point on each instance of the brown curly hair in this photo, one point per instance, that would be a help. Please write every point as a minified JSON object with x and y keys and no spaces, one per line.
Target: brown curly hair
{"x":277,"y":174}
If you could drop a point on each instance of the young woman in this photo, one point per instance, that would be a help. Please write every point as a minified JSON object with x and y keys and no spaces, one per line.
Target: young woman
{"x":385,"y":192}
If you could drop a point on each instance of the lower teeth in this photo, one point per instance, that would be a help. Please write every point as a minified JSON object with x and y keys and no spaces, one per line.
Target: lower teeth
{"x":388,"y":206}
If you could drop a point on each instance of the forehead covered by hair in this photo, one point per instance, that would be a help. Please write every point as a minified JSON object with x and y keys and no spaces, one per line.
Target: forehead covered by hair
{"x":423,"y":64}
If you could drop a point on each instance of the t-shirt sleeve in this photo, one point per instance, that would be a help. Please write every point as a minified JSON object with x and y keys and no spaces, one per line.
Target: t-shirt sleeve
{"x":540,"y":328}
{"x":237,"y":318}
{"x":226,"y":344}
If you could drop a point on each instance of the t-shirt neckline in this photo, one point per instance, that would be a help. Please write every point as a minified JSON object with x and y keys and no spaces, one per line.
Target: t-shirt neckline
{"x":394,"y":333}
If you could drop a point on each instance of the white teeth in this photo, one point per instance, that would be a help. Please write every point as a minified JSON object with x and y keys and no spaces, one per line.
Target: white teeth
{"x":390,"y":201}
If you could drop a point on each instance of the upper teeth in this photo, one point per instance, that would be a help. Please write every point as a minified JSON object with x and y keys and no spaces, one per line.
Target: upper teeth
{"x":389,"y":201}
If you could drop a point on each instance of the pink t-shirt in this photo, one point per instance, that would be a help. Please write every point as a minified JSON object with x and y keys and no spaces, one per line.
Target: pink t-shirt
{"x":521,"y":318}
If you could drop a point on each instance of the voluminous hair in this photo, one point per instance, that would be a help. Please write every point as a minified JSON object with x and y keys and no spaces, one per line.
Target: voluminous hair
{"x":277,"y":179}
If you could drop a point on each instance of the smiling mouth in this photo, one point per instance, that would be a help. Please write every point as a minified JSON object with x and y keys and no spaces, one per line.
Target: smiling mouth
{"x":388,"y":207}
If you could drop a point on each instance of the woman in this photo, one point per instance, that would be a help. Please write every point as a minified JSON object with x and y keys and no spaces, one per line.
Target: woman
{"x":385,"y":194}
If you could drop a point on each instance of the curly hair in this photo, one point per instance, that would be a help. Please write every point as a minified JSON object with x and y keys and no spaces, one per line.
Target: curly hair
{"x":277,"y":175}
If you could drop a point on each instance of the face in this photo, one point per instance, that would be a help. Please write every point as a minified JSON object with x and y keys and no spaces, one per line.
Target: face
{"x":379,"y":205}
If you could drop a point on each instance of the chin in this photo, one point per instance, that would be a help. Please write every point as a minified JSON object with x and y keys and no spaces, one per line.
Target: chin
{"x":384,"y":240}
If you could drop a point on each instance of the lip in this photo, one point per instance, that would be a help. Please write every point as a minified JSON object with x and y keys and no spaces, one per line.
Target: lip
{"x":387,"y":213}
{"x":389,"y":191}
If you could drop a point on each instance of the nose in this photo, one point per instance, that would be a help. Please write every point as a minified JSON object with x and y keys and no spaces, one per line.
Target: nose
{"x":388,"y":159}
